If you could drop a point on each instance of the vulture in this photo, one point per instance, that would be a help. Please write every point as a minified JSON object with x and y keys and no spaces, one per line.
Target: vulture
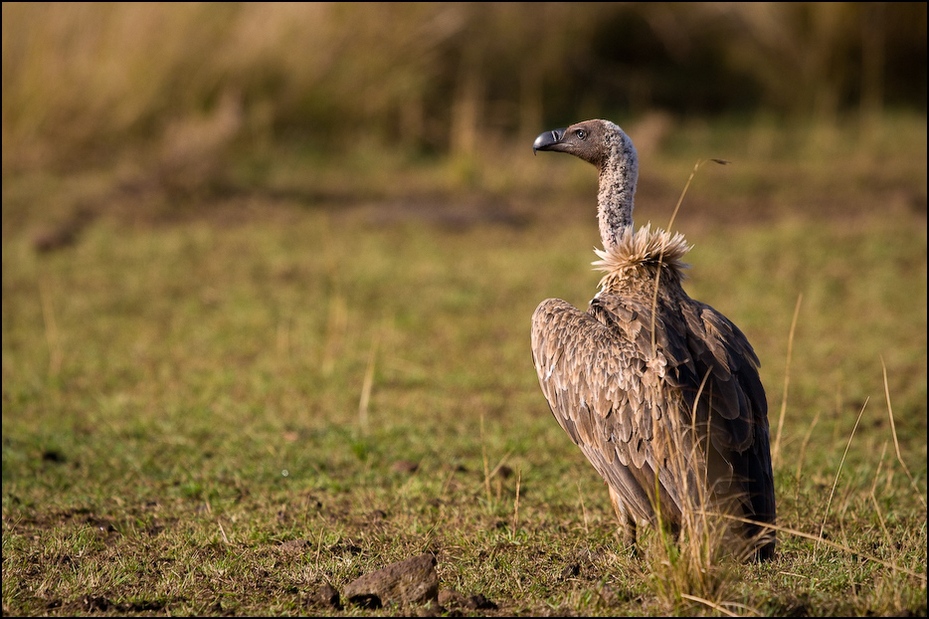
{"x":661,"y":392}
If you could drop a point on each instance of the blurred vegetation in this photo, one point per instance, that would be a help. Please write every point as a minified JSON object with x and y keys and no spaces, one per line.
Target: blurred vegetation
{"x":188,"y":83}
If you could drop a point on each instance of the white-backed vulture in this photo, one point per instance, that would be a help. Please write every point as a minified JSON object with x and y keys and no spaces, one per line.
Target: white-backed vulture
{"x":660,"y":392}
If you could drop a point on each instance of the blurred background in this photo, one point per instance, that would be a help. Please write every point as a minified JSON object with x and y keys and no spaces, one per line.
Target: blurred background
{"x":86,"y":84}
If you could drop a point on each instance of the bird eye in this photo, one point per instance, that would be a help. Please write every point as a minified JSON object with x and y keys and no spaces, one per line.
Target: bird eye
{"x":581,"y":134}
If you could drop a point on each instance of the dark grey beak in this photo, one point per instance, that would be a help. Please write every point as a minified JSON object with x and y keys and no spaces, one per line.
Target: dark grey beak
{"x":547,"y":140}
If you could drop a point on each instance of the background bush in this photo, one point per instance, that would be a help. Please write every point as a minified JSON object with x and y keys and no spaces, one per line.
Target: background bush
{"x":85,"y":81}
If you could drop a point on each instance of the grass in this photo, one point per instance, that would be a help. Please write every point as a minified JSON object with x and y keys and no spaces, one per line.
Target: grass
{"x":218,"y":409}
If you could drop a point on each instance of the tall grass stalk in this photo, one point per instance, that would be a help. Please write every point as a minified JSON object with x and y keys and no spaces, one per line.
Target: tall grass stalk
{"x":580,"y":498}
{"x":838,"y":472}
{"x":366,"y":386}
{"x":872,"y":495}
{"x":776,"y":450}
{"x":519,"y":477}
{"x":722,"y":608}
{"x":893,"y":430}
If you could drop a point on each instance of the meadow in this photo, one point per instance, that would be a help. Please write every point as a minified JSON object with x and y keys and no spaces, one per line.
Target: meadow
{"x":218,"y":400}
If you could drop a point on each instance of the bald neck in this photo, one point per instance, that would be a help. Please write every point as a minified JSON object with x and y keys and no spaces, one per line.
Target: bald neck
{"x":619,"y":171}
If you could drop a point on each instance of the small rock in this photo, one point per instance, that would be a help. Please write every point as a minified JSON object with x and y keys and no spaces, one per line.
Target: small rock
{"x":413,"y":581}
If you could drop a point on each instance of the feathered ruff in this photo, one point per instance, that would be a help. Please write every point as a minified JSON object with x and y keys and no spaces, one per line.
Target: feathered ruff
{"x":643,"y":248}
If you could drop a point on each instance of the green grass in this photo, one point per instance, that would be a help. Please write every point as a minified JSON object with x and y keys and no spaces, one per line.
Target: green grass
{"x":183,"y":395}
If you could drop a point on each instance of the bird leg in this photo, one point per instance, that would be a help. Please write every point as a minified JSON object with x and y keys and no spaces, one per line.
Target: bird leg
{"x":627,"y":524}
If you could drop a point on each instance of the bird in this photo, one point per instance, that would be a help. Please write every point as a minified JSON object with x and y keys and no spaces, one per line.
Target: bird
{"x":659,"y":391}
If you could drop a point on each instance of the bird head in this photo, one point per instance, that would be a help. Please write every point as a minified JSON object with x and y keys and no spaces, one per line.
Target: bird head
{"x":590,"y":140}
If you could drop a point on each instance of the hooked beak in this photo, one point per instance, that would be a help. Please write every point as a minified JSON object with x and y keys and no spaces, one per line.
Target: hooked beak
{"x":548,"y":140}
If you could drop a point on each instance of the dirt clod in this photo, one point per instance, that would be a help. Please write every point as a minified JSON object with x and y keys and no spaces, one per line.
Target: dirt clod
{"x":410,"y":582}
